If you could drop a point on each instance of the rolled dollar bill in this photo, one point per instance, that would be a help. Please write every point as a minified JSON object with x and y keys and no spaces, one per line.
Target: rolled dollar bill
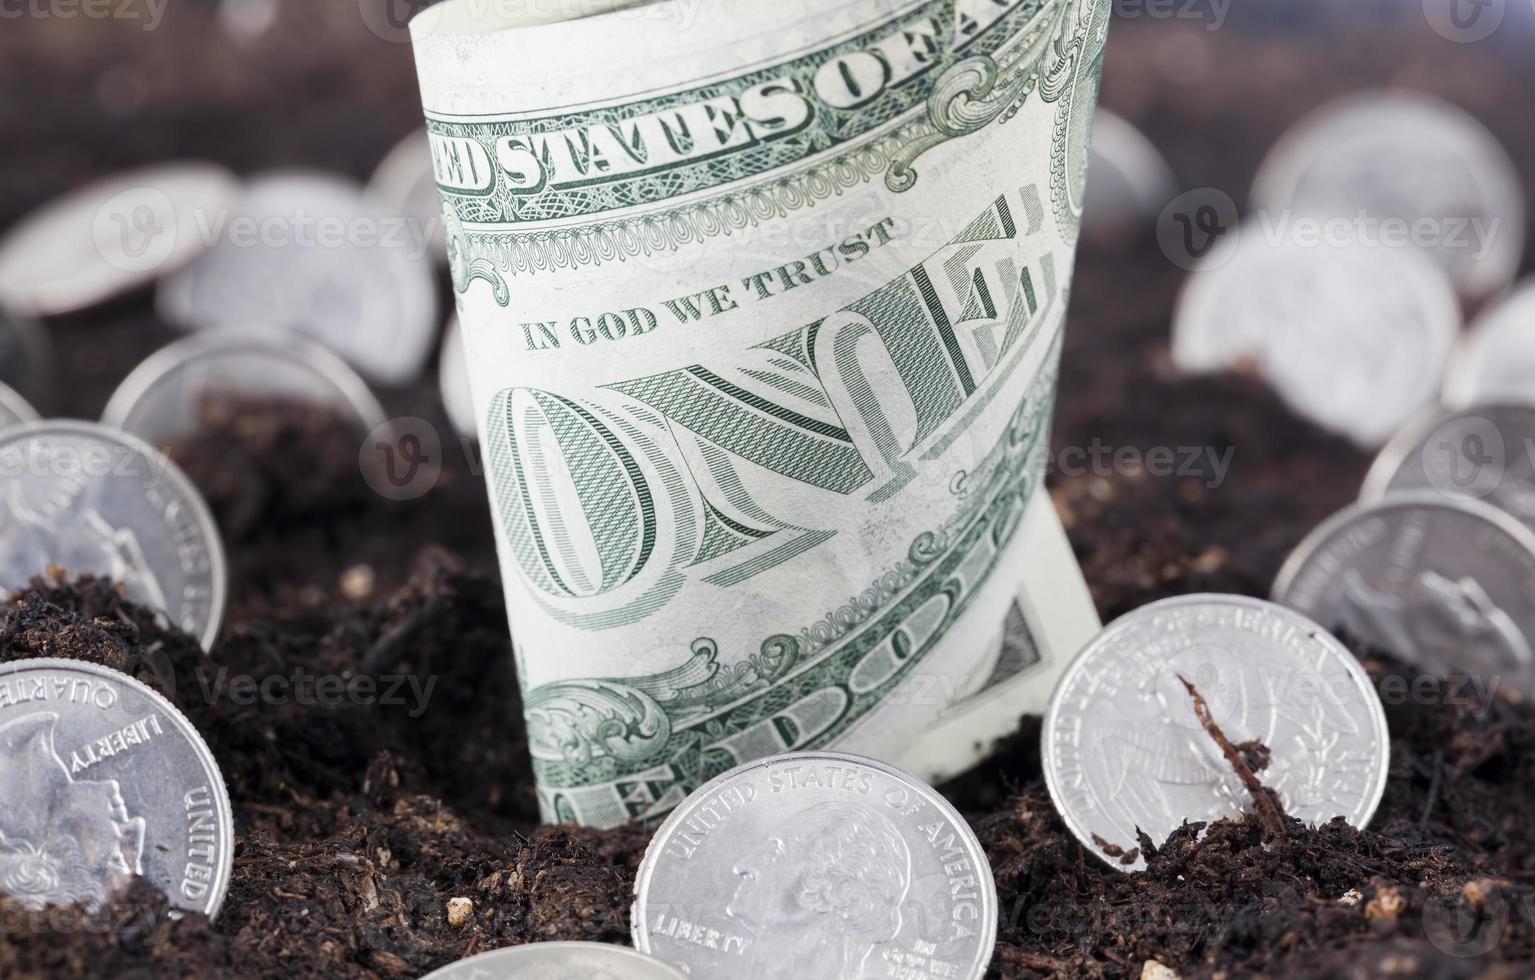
{"x":762,"y":305}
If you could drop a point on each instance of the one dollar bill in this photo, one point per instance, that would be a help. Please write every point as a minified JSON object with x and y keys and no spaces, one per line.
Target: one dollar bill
{"x":763,"y":307}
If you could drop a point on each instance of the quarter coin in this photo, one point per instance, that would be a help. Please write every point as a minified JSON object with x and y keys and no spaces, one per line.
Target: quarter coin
{"x":93,"y":500}
{"x":1128,"y":180}
{"x":101,"y":780}
{"x":405,"y":183}
{"x":113,"y":236}
{"x":312,"y":254}
{"x":1447,"y":585}
{"x":453,"y":378}
{"x":816,"y":864}
{"x":1496,"y":359}
{"x":1482,"y":453}
{"x":559,"y":961}
{"x":1404,"y":166}
{"x":1354,"y":338}
{"x":1125,"y":752}
{"x":14,"y":409}
{"x":161,"y":400}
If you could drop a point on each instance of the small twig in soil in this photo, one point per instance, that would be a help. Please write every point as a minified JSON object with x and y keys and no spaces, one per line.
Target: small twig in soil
{"x":1272,"y":818}
{"x":1433,"y":787}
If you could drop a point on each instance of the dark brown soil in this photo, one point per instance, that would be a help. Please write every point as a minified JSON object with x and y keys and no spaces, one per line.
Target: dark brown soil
{"x":359,"y":822}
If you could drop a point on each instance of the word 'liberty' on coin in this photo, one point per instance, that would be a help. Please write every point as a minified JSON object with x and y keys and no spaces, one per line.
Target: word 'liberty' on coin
{"x":1486,"y":452}
{"x":1126,"y":752}
{"x":95,"y":501}
{"x":816,"y":864}
{"x":101,"y":780}
{"x":163,"y":398}
{"x":559,"y":961}
{"x":1447,"y":585}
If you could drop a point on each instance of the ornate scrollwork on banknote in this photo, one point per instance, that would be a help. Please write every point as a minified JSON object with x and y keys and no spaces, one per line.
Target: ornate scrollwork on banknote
{"x":763,"y":333}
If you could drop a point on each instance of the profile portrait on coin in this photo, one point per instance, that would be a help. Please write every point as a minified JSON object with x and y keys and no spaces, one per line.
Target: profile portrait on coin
{"x":68,"y":530}
{"x":62,"y":840}
{"x":834,"y":879}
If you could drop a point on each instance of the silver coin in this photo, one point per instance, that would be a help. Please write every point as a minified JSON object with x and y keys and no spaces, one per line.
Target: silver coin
{"x":1129,"y":182}
{"x":14,"y":409}
{"x":453,"y":378}
{"x":313,"y":255}
{"x":102,"y":779}
{"x":92,"y":500}
{"x":816,"y":864}
{"x":1482,"y":453}
{"x":113,"y":236}
{"x":559,"y":961}
{"x":406,"y":184}
{"x":1409,"y":166}
{"x":1352,"y":337}
{"x":160,"y":401}
{"x":1447,"y":585}
{"x":1496,"y":359}
{"x":26,"y":357}
{"x":1124,"y":750}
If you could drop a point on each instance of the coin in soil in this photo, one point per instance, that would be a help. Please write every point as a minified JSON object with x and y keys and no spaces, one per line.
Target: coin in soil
{"x":816,"y":864}
{"x":453,"y":379}
{"x":1496,"y":358}
{"x":559,"y":961}
{"x":102,"y":779}
{"x":14,"y":409}
{"x":312,"y":254}
{"x":1354,"y":338}
{"x":1129,"y":182}
{"x":1447,"y":585}
{"x":161,"y":400}
{"x":1482,"y":453}
{"x":1125,"y":752}
{"x":1407,"y":169}
{"x":405,"y":183}
{"x":26,"y":357}
{"x":96,"y":501}
{"x":113,"y":236}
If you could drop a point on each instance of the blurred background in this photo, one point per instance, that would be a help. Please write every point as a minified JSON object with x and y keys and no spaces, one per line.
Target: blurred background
{"x":95,"y":87}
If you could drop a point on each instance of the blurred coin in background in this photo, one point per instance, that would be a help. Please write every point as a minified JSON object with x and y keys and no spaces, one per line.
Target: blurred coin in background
{"x":559,"y":961}
{"x":113,"y":236}
{"x":1447,"y":585}
{"x":1124,"y":750}
{"x":1496,"y":359}
{"x":26,"y":357}
{"x":1486,"y":452}
{"x":405,"y":184}
{"x":453,"y":372}
{"x":1128,"y":182}
{"x":162,"y":399}
{"x":1398,"y":163}
{"x":92,"y":500}
{"x":14,"y":409}
{"x":312,"y":254}
{"x":1355,"y":338}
